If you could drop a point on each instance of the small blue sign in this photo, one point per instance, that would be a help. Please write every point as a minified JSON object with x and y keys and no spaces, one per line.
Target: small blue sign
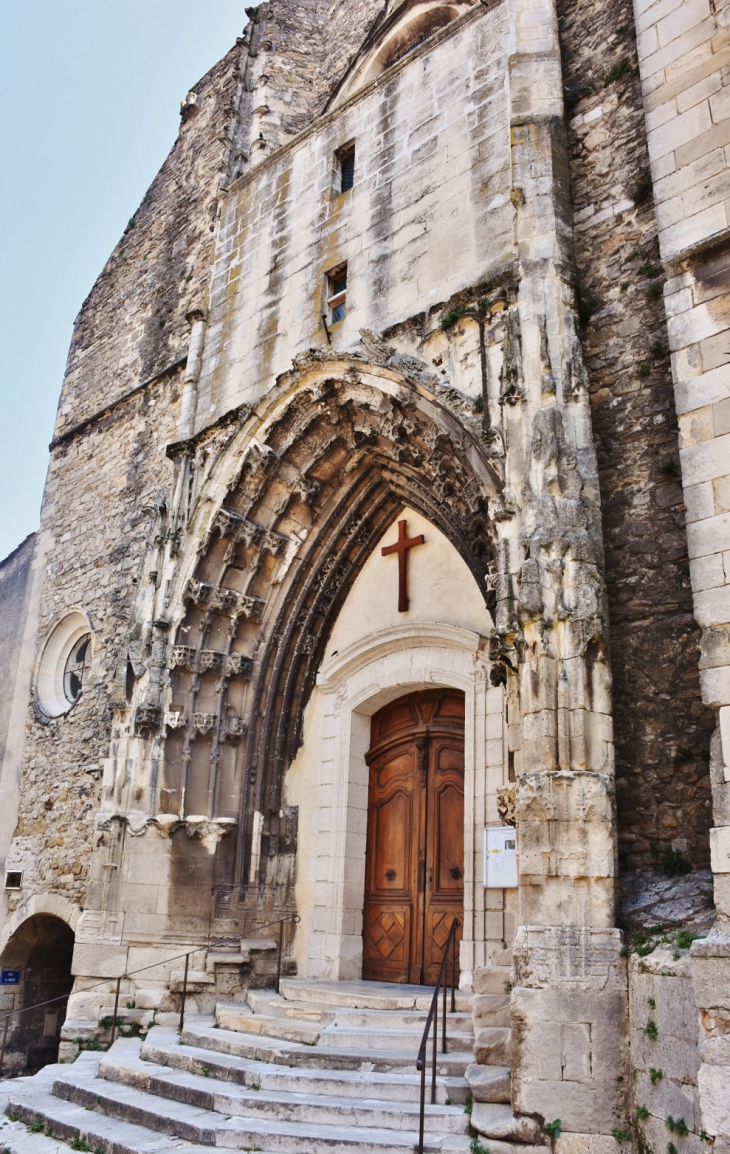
{"x":9,"y":977}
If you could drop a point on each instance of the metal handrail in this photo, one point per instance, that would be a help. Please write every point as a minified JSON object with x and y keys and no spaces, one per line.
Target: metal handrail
{"x":5,"y":1018}
{"x":433,"y":1016}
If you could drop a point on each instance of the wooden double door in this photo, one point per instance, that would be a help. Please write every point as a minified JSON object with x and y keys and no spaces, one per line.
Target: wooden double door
{"x":414,"y":881}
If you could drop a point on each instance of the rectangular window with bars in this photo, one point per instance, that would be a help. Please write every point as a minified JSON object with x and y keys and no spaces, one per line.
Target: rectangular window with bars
{"x":337,"y":293}
{"x":345,"y":168}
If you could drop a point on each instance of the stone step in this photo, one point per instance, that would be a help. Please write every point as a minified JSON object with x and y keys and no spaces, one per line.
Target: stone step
{"x":493,"y":1046}
{"x":126,"y":1067}
{"x":359,"y":995}
{"x":238,"y":1016}
{"x":294,"y":1054}
{"x":66,"y":1121}
{"x":334,"y":1038}
{"x":385,"y":1037}
{"x":163,"y":1049}
{"x":498,"y":1122}
{"x":264,"y":1002}
{"x":208,"y":1128}
{"x":488,"y":1083}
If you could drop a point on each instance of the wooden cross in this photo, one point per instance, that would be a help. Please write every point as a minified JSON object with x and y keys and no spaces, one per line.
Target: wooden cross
{"x":401,"y":547}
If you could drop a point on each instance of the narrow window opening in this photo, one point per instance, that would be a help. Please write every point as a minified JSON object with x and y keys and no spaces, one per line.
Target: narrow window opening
{"x":130,"y":680}
{"x":13,"y":879}
{"x":345,"y":158}
{"x":337,"y":293}
{"x":73,"y":675}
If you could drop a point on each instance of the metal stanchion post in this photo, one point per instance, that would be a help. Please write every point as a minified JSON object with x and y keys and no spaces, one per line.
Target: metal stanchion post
{"x":2,"y":1048}
{"x":114,"y":1015}
{"x":184,"y":992}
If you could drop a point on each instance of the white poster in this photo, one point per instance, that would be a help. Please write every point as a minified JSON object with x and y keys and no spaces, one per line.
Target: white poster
{"x":500,"y":857}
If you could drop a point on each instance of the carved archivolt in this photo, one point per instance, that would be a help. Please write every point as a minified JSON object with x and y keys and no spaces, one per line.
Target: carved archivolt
{"x":262,"y":581}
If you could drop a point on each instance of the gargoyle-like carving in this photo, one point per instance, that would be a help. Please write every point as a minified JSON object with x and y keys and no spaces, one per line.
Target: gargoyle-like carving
{"x":233,"y":729}
{"x":147,"y":720}
{"x":208,"y":659}
{"x":235,"y":665}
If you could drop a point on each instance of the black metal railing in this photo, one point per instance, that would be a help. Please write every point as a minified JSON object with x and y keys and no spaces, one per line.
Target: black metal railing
{"x":5,"y":1018}
{"x":441,"y":982}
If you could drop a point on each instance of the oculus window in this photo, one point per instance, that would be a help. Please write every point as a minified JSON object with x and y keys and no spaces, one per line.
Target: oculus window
{"x":62,"y":665}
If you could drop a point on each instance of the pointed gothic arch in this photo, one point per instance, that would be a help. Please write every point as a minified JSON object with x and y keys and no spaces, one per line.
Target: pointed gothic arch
{"x":310,"y":483}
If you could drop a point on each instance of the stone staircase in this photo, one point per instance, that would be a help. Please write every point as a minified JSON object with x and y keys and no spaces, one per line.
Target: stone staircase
{"x":322,"y":1067}
{"x":325,"y":1066}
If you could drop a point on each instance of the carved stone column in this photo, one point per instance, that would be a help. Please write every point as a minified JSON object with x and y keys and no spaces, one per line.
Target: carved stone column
{"x":569,"y":1002}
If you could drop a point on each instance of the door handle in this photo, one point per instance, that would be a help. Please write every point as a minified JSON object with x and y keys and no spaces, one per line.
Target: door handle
{"x":390,"y":874}
{"x":421,"y":876}
{"x":455,"y":873}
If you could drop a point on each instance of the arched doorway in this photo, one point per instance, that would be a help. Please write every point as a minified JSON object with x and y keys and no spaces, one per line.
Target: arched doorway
{"x":42,"y":950}
{"x":414,"y":870}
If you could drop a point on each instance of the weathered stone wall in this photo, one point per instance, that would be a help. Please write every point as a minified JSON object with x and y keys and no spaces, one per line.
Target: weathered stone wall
{"x":664,"y":1055}
{"x":662,"y":730}
{"x":283,"y":229}
{"x":14,"y":592}
{"x":103,"y":485}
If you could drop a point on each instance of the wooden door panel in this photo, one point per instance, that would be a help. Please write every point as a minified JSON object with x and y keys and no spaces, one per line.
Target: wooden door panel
{"x":387,"y":943}
{"x":392,"y":828}
{"x":445,"y":848}
{"x":415,"y":819}
{"x":448,"y":849}
{"x":391,"y":864}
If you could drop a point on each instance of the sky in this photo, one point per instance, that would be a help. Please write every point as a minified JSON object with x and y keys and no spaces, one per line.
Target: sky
{"x":90,"y":108}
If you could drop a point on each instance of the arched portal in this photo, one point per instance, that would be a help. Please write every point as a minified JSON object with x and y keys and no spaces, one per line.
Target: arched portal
{"x":376,"y":655}
{"x":299,"y":522}
{"x":40,"y":950}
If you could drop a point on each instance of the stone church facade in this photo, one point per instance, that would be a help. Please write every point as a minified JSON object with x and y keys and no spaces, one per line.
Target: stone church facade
{"x":455,"y":271}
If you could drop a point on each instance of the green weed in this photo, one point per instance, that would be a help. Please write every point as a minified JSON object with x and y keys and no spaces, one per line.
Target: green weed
{"x":618,"y":70}
{"x":642,"y":189}
{"x":677,"y":1126}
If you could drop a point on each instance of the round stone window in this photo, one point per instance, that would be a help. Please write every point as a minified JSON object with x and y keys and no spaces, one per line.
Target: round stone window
{"x":63,"y":665}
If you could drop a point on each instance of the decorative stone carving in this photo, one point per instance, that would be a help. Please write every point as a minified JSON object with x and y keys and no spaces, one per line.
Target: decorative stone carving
{"x":176,"y":719}
{"x":236,"y":665}
{"x":203,"y":722}
{"x":233,"y":729}
{"x":147,"y":720}
{"x":547,"y":380}
{"x":208,"y":659}
{"x":198,"y":591}
{"x":511,"y":391}
{"x":506,"y":805}
{"x":183,"y":657}
{"x":575,"y":373}
{"x":230,"y":524}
